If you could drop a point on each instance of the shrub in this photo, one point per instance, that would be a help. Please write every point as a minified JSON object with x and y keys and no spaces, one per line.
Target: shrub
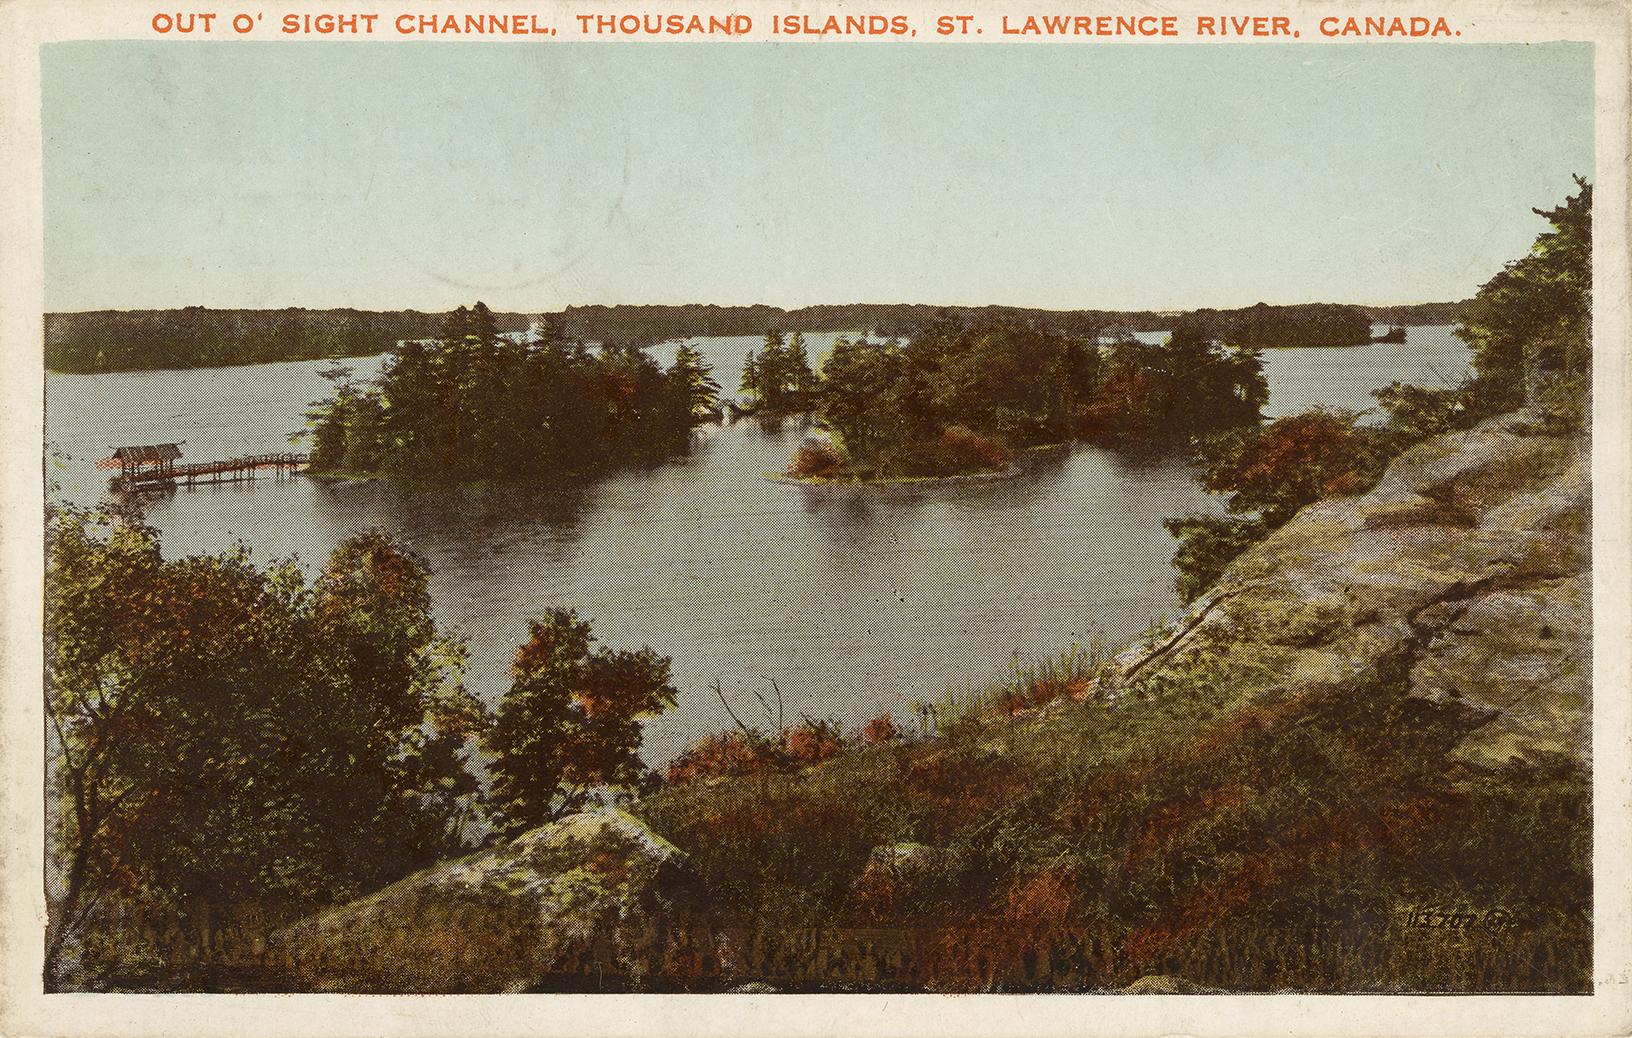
{"x":956,"y":451}
{"x":1292,"y":462}
{"x":880,"y":730}
{"x":1207,"y":545}
{"x":1416,"y":413}
{"x":966,"y":449}
{"x":726,"y":753}
{"x":816,"y":459}
{"x":812,"y":742}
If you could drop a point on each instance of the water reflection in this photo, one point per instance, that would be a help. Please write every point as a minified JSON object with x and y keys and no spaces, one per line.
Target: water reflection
{"x":854,"y":600}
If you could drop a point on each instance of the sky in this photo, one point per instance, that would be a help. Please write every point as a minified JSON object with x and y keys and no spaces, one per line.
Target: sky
{"x":532,"y":176}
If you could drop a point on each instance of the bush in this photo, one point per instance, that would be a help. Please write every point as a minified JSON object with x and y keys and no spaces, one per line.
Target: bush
{"x":957,"y":451}
{"x":1416,"y":413}
{"x":880,"y":730}
{"x":812,"y":742}
{"x":1207,"y":545}
{"x":726,"y":753}
{"x":816,"y":459}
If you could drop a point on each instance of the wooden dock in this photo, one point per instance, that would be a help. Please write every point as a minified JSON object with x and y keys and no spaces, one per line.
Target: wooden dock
{"x":231,"y":470}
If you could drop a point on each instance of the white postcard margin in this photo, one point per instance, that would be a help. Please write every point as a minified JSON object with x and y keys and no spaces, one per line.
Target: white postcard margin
{"x":25,"y":1011}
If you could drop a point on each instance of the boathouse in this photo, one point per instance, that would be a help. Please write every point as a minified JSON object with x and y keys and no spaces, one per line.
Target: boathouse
{"x":157,"y":459}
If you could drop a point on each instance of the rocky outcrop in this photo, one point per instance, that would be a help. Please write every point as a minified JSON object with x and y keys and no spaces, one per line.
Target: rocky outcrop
{"x":1161,"y":984}
{"x":558,"y":899}
{"x":1467,"y":569}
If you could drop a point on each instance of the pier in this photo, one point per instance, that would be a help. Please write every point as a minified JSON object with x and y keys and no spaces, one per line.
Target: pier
{"x":155,"y":465}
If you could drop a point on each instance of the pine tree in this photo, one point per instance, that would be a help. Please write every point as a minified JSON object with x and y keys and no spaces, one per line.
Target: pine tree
{"x":694,"y":374}
{"x":751,"y":385}
{"x":804,"y":379}
{"x":774,"y":371}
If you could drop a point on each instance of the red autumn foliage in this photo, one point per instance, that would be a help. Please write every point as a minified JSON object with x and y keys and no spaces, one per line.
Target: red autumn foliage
{"x":723,"y":754}
{"x":1318,"y":839}
{"x":812,"y":742}
{"x":815,"y":460}
{"x":880,"y":730}
{"x":983,"y":951}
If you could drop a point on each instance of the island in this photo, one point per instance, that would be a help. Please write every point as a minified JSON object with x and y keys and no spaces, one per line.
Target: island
{"x":961,"y":399}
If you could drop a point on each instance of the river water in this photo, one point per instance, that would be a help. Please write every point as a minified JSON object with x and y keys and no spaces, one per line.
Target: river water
{"x":854,"y":600}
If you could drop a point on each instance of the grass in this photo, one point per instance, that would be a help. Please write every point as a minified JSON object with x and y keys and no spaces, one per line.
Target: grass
{"x":1029,"y":686}
{"x":1248,"y":846}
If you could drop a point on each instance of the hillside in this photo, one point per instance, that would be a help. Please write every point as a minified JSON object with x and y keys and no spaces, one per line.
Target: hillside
{"x":1360,"y":763}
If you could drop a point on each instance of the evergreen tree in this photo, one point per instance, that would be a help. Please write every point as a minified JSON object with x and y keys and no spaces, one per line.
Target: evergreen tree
{"x":775,"y":371}
{"x":804,"y":382}
{"x":694,"y":375}
{"x":750,"y":386}
{"x":475,"y":404}
{"x":1532,"y":322}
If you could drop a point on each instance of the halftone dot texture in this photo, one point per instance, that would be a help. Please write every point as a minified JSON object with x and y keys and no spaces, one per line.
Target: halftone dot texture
{"x":855,"y":601}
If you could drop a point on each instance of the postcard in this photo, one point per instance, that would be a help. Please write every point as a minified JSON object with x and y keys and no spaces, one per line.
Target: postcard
{"x":815,"y":518}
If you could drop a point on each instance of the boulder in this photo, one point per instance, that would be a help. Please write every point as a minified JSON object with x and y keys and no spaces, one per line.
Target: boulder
{"x":577,"y":895}
{"x":1467,"y":568}
{"x":1161,"y":984}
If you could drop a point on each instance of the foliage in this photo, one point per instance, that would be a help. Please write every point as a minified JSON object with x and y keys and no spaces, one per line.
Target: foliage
{"x":1262,"y":326}
{"x":1258,"y":847}
{"x":570,"y":722}
{"x":1268,"y":473}
{"x":475,"y":404}
{"x":1193,"y":385}
{"x":1532,"y":322}
{"x":196,"y":336}
{"x":1207,"y":545}
{"x":956,"y":450}
{"x":224,"y":734}
{"x":692,"y":372}
{"x":816,"y":460}
{"x":779,"y":378}
{"x":1416,"y":413}
{"x":719,"y":754}
{"x":880,"y":730}
{"x":962,"y":397}
{"x":1294,"y":461}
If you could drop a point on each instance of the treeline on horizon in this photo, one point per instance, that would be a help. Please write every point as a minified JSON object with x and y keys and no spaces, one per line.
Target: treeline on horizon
{"x":195,"y":336}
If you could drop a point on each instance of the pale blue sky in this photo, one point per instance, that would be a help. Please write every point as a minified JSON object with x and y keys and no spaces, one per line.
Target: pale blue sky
{"x":537,"y":175}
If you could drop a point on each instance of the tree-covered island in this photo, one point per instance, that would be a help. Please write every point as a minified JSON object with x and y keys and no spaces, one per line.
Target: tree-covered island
{"x":477,"y":405}
{"x":963,"y":398}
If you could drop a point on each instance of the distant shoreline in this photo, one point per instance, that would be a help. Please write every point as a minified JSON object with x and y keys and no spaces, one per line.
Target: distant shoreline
{"x":107,"y":341}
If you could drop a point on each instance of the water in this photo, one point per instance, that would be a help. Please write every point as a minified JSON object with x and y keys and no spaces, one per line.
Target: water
{"x":854,"y":600}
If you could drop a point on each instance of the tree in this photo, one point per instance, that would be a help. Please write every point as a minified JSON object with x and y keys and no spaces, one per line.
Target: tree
{"x":751,"y":378}
{"x":475,"y":404}
{"x":570,"y":722}
{"x":1269,"y":473}
{"x":694,"y":375}
{"x":775,"y":371}
{"x":804,"y":382}
{"x":223,"y":734}
{"x":1531,"y":323}
{"x":857,"y":375}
